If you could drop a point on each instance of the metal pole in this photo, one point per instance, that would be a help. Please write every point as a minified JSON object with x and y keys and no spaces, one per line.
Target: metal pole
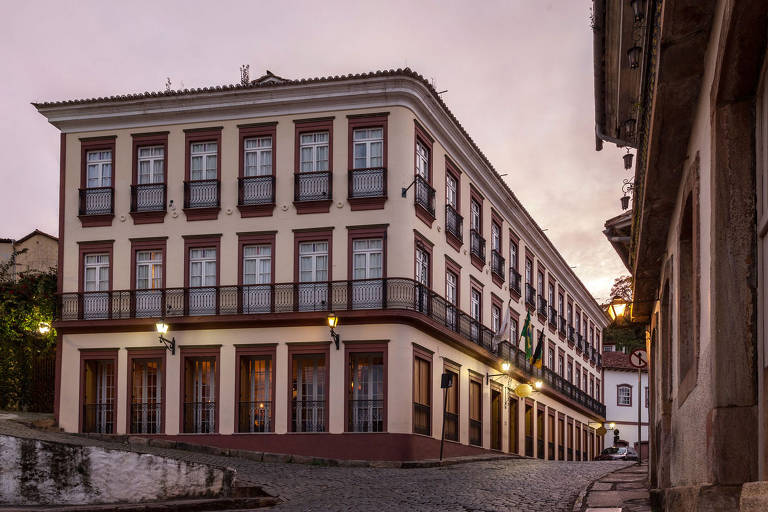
{"x":639,"y":414}
{"x":442,"y":436}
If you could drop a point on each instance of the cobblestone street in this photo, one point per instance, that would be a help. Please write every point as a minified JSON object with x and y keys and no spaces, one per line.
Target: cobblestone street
{"x":513,"y":484}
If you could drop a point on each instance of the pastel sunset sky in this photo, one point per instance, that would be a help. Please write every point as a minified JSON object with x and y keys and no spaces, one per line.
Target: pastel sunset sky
{"x":518,"y":74}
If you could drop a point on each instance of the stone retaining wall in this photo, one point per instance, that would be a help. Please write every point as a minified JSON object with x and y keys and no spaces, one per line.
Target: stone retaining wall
{"x":36,"y":472}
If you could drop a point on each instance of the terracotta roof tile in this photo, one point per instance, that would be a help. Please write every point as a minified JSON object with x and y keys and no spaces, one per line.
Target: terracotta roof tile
{"x":617,"y":361}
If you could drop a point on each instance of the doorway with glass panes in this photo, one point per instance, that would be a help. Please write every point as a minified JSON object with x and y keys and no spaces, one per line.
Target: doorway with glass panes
{"x":256,"y":390}
{"x":366,"y":407}
{"x":98,"y":390}
{"x":146,"y":388}
{"x":200,"y":378}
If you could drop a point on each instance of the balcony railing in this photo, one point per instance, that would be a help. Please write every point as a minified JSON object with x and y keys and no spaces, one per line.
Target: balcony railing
{"x":571,"y":334}
{"x":255,"y":417}
{"x":97,"y":201}
{"x":149,"y":197}
{"x":552,"y":317}
{"x":369,"y":294}
{"x":368,"y":182}
{"x":454,"y":223}
{"x":542,"y":306}
{"x":579,"y":343}
{"x":313,"y":186}
{"x":514,"y":280}
{"x":497,"y":264}
{"x":255,"y":190}
{"x":199,"y":417}
{"x":146,"y":417}
{"x":308,"y":416}
{"x":599,"y":360}
{"x":530,"y":295}
{"x":202,"y":194}
{"x":562,"y":329}
{"x":366,"y":415}
{"x":424,"y":195}
{"x":451,"y":426}
{"x":99,"y":418}
{"x":422,"y":419}
{"x":476,"y":432}
{"x":476,"y":245}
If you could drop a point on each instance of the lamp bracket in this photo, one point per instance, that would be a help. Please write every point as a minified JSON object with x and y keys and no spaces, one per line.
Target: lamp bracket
{"x":404,"y":191}
{"x":169,"y":344}
{"x":489,"y":375}
{"x":335,"y":338}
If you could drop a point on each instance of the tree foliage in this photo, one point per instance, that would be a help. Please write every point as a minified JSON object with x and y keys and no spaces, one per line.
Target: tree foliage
{"x":27,"y":299}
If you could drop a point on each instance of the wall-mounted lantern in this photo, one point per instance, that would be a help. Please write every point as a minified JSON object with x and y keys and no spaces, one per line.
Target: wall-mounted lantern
{"x":633,"y":54}
{"x":333,"y":321}
{"x":638,"y":9}
{"x":628,"y":160}
{"x":162,"y":330}
{"x":628,"y":128}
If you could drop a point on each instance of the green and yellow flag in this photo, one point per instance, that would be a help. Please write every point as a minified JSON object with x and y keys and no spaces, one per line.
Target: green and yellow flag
{"x":527,"y":333}
{"x":538,"y":354}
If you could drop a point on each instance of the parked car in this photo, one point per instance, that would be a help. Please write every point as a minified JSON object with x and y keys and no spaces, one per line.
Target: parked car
{"x":617,"y":453}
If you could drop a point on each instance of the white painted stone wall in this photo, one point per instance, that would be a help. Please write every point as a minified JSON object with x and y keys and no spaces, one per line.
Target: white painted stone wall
{"x":36,"y":472}
{"x":625,"y":417}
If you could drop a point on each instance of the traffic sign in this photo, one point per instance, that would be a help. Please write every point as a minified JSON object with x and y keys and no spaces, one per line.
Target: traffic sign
{"x":639,"y":358}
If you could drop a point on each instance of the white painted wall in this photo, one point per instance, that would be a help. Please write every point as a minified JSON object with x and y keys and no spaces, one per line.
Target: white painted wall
{"x":625,"y":417}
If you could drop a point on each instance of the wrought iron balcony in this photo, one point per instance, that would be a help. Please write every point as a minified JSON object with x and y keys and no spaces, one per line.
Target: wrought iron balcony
{"x":571,"y":334}
{"x":97,"y":201}
{"x":454,"y":223}
{"x":255,"y":417}
{"x":270,"y":299}
{"x":599,"y":360}
{"x":579,"y":343}
{"x":497,"y":264}
{"x":366,"y":183}
{"x":552,"y":317}
{"x":530,"y":295}
{"x":148,"y":197}
{"x":542,"y":306}
{"x":313,"y":186}
{"x":561,"y":330}
{"x":255,"y":190}
{"x":514,"y":280}
{"x":146,"y":417}
{"x":424,"y":195}
{"x":476,"y":245}
{"x":365,"y":415}
{"x":202,"y":194}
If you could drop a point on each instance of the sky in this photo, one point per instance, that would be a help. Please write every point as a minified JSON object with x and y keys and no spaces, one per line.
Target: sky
{"x":518,"y":76}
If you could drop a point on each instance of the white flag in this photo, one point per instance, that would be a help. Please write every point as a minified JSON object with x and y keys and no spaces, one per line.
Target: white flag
{"x":503,"y":331}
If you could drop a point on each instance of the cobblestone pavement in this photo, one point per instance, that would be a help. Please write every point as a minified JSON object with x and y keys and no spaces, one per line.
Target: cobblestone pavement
{"x":515,"y":484}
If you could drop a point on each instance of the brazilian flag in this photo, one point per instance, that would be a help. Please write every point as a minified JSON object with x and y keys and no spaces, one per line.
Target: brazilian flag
{"x":538,"y":354}
{"x":527,"y":333}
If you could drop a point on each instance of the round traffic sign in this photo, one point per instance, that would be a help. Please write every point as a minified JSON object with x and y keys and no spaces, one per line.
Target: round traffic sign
{"x":639,"y":358}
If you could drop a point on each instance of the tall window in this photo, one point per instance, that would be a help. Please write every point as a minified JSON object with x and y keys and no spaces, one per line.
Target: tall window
{"x":149,"y":270}
{"x":540,"y":282}
{"x":313,"y":268}
{"x":99,"y":396}
{"x":422,"y":160}
{"x":528,"y":272}
{"x":513,"y":331}
{"x":577,"y":381}
{"x":314,"y":151}
{"x":597,"y":389}
{"x":451,"y":288}
{"x":513,"y":254}
{"x":308,"y":391}
{"x":570,"y":372}
{"x":475,"y":304}
{"x":203,"y":161}
{"x":624,"y":395}
{"x":495,"y":237}
{"x":151,"y":162}
{"x":257,"y":276}
{"x":202,"y":277}
{"x":99,"y":169}
{"x":551,"y":294}
{"x":422,"y":266}
{"x":551,"y":359}
{"x":255,"y":400}
{"x":258,"y":156}
{"x":368,"y":147}
{"x":146,"y":396}
{"x":200,"y":395}
{"x":475,"y":413}
{"x":451,"y":190}
{"x":495,"y":318}
{"x":367,"y":258}
{"x":474,"y":215}
{"x":561,"y":365}
{"x":366,"y":392}
{"x":96,"y":279}
{"x":422,"y":396}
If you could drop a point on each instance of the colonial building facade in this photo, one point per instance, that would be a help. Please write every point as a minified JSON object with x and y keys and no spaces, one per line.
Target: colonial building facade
{"x":624,"y":392}
{"x":686,"y":84}
{"x":242,"y":216}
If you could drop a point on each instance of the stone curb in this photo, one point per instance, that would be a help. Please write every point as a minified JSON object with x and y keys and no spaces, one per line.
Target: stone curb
{"x":578,"y":505}
{"x":301,"y":459}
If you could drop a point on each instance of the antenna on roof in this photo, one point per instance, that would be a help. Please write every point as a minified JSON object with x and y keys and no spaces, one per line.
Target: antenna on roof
{"x":167,"y":83}
{"x":244,"y":74}
{"x":441,"y":92}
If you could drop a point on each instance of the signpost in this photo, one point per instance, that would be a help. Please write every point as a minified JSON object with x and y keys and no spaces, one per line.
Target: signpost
{"x":446,"y":381}
{"x":639,"y":359}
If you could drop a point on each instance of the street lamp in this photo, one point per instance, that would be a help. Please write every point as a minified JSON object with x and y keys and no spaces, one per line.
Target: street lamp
{"x":505,"y":366}
{"x":43,"y":327}
{"x":162,"y":329}
{"x":617,"y":309}
{"x":333,"y":321}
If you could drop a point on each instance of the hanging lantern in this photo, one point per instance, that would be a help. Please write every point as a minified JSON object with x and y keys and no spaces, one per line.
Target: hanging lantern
{"x":624,"y":202}
{"x":628,"y":129}
{"x":638,"y":9}
{"x":628,"y":160}
{"x":634,"y":56}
